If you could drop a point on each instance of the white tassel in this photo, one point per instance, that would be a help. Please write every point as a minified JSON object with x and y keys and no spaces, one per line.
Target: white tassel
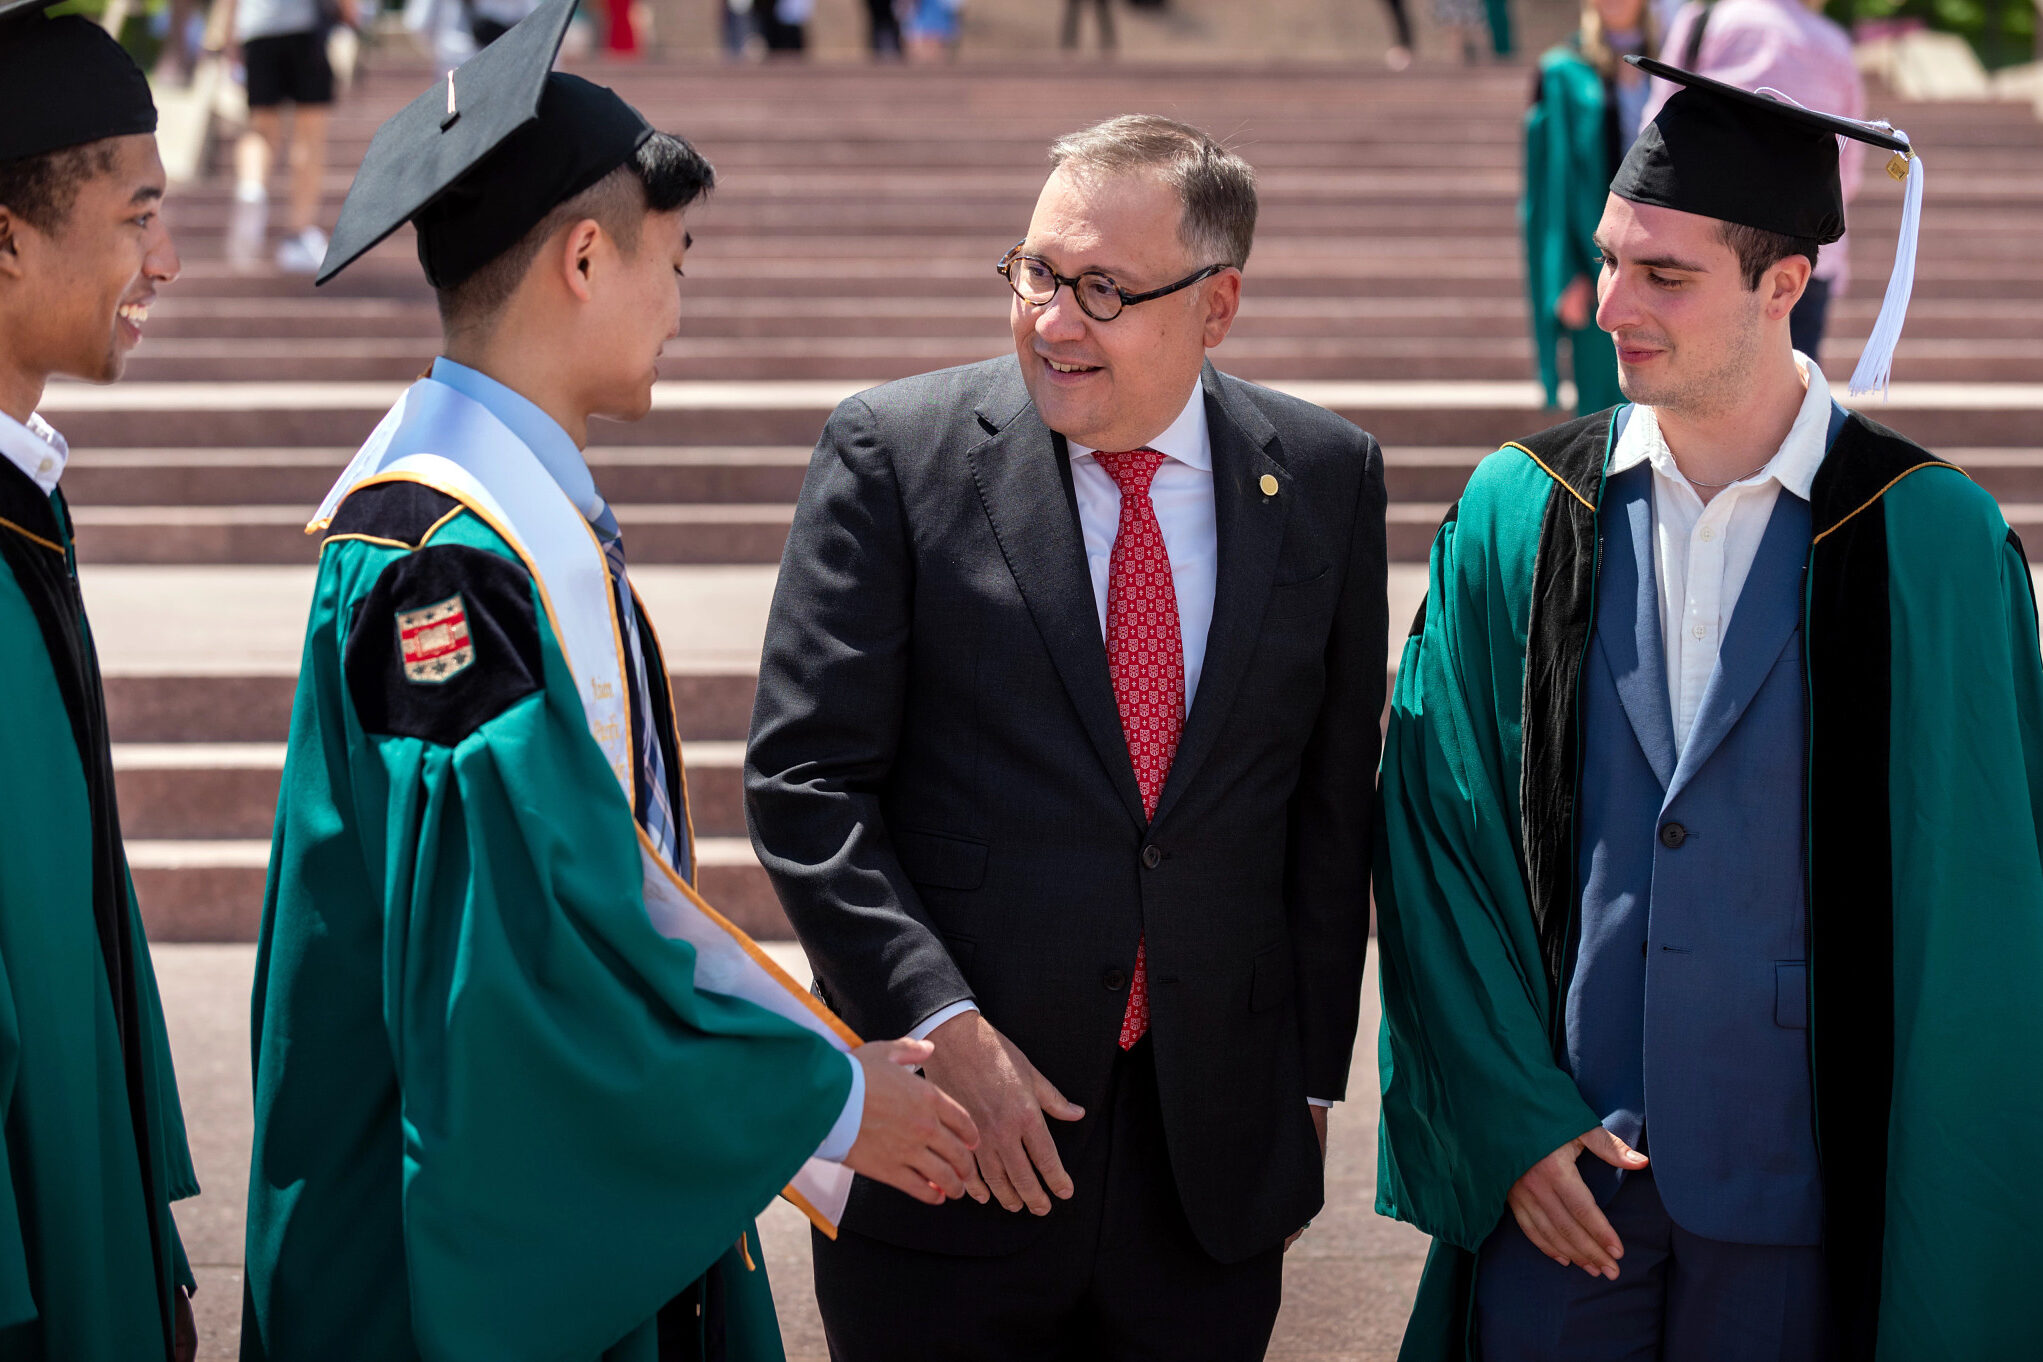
{"x":1878,"y":358}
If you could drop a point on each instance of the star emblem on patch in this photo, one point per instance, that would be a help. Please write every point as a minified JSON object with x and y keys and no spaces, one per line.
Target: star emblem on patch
{"x":435,"y":642}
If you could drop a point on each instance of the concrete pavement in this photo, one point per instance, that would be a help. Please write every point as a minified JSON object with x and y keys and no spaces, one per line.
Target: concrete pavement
{"x":1348,"y":1284}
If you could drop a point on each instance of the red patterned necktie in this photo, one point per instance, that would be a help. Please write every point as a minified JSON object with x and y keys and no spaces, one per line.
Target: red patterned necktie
{"x":1146,"y":659}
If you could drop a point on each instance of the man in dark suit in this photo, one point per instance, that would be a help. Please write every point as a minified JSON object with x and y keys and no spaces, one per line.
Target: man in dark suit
{"x":1064,"y":758}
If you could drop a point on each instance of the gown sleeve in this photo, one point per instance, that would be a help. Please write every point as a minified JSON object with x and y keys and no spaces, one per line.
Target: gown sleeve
{"x":1472,"y":1093}
{"x":584,"y":1131}
{"x":1965,"y":1127}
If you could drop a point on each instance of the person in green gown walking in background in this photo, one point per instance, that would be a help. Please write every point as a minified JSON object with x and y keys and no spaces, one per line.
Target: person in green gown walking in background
{"x":92,"y":1144}
{"x":1586,"y":106}
{"x":519,"y":1091}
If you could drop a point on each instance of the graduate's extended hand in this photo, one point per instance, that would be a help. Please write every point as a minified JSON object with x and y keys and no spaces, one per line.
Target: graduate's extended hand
{"x":1008,"y":1099}
{"x":1555,"y":1209}
{"x":187,"y":1328}
{"x":912,"y":1136}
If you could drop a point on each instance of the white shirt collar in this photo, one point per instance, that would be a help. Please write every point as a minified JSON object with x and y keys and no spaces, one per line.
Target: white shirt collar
{"x":1184,"y":440}
{"x":1794,"y":465}
{"x":36,"y":449}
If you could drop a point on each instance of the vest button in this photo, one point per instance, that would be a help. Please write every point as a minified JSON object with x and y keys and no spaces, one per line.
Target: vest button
{"x":1114,"y":980}
{"x":1151,"y":858}
{"x":1672,"y":835}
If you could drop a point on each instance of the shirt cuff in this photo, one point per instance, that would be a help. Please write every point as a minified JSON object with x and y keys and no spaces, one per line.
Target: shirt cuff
{"x":1317,"y":1102}
{"x":942,"y":1015}
{"x":837,"y":1144}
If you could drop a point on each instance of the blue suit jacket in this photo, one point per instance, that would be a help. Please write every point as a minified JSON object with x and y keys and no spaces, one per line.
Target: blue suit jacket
{"x":1688,"y":986}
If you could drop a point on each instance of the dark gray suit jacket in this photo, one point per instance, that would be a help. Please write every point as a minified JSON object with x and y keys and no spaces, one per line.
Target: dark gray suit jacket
{"x":938,"y":783}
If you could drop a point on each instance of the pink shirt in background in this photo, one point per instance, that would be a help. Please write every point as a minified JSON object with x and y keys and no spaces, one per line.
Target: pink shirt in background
{"x":1793,"y":49}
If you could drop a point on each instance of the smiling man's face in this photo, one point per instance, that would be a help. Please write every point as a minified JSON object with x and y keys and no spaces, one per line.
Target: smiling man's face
{"x":1689,"y":334}
{"x":1117,"y":385}
{"x":92,"y":278}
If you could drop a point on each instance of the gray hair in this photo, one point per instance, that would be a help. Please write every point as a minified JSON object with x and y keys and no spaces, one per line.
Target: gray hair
{"x":1216,"y":187}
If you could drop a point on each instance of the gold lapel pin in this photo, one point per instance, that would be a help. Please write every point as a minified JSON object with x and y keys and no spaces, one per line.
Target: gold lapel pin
{"x":1269,"y":484}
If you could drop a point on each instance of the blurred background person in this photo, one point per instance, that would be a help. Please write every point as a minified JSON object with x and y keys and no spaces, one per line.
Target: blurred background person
{"x":784,"y":24}
{"x":1587,"y":108}
{"x":284,"y":58}
{"x":1103,"y":11}
{"x":1398,"y":56}
{"x":621,"y":35}
{"x":883,"y":29}
{"x":1789,"y":46}
{"x":489,"y":20}
{"x":933,"y":29}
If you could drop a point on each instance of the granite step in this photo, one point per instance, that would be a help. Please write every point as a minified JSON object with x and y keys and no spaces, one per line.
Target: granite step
{"x":725,"y":475}
{"x":212,"y":890}
{"x":228,"y":791}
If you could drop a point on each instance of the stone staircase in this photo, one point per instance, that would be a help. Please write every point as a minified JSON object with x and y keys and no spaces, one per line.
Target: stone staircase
{"x":852,"y":241}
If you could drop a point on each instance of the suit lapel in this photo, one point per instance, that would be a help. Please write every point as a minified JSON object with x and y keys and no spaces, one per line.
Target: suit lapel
{"x":1249,"y":528}
{"x":1763,"y":622}
{"x":1016,"y":470}
{"x":1628,"y":627}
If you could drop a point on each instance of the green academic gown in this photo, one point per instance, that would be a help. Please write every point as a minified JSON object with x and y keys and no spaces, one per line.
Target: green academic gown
{"x":1568,"y":144}
{"x":1925,"y":887}
{"x":92,"y":1145}
{"x":495,"y":1118}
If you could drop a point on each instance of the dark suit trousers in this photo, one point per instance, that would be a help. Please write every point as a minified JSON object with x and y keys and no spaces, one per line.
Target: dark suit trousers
{"x":1115,"y":1274}
{"x":1678,"y":1297}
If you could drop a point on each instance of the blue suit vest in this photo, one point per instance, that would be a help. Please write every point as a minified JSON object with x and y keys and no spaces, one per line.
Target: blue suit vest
{"x":1687,"y":996}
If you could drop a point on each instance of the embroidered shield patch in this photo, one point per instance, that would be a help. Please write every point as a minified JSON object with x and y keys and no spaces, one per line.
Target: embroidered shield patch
{"x":435,"y":642}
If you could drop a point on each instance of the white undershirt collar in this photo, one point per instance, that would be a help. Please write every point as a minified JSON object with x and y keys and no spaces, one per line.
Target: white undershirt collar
{"x":36,"y":449}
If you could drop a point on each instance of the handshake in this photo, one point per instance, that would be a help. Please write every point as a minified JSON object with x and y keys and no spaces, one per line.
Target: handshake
{"x":970,"y":1124}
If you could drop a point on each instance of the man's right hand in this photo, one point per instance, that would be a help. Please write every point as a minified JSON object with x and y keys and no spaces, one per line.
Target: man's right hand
{"x":1007,"y":1099}
{"x":911,"y":1136}
{"x":1555,"y":1209}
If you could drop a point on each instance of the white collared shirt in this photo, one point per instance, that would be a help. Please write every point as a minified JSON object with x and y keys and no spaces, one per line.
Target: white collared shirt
{"x":1702,"y":554}
{"x":1182,"y":493}
{"x":36,"y":449}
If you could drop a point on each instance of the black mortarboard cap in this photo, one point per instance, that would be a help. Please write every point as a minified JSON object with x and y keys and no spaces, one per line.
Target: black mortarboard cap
{"x":482,"y":157}
{"x":1721,"y":152}
{"x":64,"y":82}
{"x":1758,"y":159}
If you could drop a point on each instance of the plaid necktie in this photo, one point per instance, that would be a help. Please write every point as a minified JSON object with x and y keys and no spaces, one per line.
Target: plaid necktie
{"x":655,"y":803}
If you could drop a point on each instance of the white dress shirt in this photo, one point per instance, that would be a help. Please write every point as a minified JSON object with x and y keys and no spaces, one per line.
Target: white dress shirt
{"x":1703,"y":553}
{"x":36,"y":449}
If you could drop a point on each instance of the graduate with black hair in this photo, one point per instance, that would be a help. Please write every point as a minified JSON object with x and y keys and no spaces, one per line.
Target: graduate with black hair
{"x":519,"y":1090}
{"x":1709,"y":896}
{"x":92,"y":1145}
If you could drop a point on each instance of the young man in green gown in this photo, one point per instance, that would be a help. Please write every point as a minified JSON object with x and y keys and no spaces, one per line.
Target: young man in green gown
{"x":1710,"y":903}
{"x":92,"y":1146}
{"x":519,"y":1091}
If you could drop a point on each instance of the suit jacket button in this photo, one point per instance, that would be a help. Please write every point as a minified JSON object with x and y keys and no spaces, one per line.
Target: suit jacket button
{"x":1114,"y":980}
{"x":1151,"y":857}
{"x":1672,"y":835}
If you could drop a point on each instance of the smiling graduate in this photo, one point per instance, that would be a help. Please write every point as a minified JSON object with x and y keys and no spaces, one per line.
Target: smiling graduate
{"x":92,"y":1146}
{"x":1709,"y":895}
